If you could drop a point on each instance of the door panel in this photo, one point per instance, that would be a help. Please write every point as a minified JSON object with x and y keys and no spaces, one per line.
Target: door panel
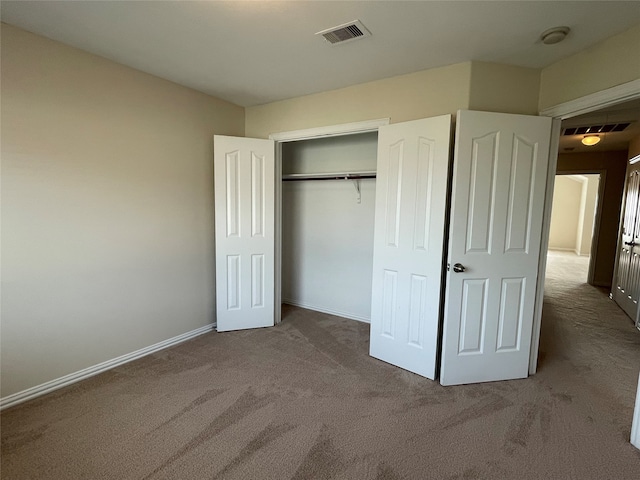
{"x":627,"y":284}
{"x":499,"y":184}
{"x":244,"y":170}
{"x":411,"y":190}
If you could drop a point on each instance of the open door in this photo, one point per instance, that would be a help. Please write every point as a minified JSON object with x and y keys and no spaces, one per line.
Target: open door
{"x":410,"y":212}
{"x":244,"y":170}
{"x":498,"y":193}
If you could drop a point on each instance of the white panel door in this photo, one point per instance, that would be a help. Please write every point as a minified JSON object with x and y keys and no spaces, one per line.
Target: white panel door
{"x":244,"y":170}
{"x":411,"y":197}
{"x":627,"y":282}
{"x":499,"y":184}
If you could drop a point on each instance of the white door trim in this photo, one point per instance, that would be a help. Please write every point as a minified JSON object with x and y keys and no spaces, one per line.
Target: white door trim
{"x":292,"y":136}
{"x":589,"y":103}
{"x":554,"y":145}
{"x":595,"y":101}
{"x":330,"y":130}
{"x":277,"y":294}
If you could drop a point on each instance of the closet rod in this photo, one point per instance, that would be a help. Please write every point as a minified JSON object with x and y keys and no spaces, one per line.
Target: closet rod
{"x":328,"y":176}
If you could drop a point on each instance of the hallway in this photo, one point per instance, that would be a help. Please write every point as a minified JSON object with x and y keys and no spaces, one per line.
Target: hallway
{"x":589,"y":341}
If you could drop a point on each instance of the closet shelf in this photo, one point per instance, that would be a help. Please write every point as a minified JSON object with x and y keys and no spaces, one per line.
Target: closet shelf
{"x":329,"y":176}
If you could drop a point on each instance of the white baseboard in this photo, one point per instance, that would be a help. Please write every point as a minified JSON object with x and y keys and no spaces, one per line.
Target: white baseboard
{"x":50,"y":386}
{"x":338,"y":313}
{"x":635,"y":425}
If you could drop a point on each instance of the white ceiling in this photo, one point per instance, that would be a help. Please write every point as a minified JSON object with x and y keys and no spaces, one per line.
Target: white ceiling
{"x":255,"y":52}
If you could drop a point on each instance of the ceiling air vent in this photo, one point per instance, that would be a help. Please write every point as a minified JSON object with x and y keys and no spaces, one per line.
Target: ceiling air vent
{"x":345,"y":33}
{"x":606,"y":128}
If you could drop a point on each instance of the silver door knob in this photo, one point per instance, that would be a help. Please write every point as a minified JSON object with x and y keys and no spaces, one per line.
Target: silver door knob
{"x":458,"y":268}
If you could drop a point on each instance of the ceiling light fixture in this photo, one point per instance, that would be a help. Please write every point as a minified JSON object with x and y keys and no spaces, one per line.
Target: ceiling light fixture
{"x":554,"y":35}
{"x":591,"y":140}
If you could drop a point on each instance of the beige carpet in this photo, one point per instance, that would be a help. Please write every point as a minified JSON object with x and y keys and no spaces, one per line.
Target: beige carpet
{"x":304,"y":401}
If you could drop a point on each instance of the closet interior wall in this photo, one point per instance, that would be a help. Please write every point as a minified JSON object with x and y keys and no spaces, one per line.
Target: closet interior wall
{"x":327,"y":225}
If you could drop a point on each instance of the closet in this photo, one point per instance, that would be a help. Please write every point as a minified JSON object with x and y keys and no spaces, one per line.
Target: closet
{"x":626,"y":292}
{"x":441,"y":251}
{"x":328,"y":200}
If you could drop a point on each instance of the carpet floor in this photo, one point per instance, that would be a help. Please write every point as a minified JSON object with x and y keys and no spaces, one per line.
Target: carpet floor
{"x":303,"y":400}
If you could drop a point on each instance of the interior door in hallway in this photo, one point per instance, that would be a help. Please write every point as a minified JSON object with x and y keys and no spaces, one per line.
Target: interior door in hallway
{"x":627,"y":283}
{"x":244,"y":171}
{"x":410,"y":212}
{"x":498,"y":192}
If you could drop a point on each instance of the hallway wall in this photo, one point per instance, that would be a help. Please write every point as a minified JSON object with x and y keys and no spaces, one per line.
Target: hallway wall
{"x":567,"y":194}
{"x":612,"y":167}
{"x":572,"y":217}
{"x":607,"y":64}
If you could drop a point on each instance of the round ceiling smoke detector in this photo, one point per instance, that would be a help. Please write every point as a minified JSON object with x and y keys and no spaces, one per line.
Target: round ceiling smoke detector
{"x":554,"y":35}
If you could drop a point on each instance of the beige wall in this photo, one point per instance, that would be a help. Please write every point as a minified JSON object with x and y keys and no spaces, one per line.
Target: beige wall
{"x":504,"y":88}
{"x":107,"y":217}
{"x":611,"y":166}
{"x":565,"y":213}
{"x":572,"y":216}
{"x":407,"y":97}
{"x":609,"y":63}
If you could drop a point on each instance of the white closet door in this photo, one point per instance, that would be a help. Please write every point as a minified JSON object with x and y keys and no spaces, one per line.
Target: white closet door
{"x":499,"y":183}
{"x":411,"y":194}
{"x":244,"y":182}
{"x":627,"y":282}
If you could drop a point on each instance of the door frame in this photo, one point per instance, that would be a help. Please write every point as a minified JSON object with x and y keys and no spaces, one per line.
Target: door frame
{"x":589,"y":103}
{"x":294,"y":136}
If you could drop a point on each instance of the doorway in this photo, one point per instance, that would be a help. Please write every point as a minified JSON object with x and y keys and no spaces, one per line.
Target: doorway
{"x":411,"y":162}
{"x":618,"y":127}
{"x":328,"y":201}
{"x":573,"y":217}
